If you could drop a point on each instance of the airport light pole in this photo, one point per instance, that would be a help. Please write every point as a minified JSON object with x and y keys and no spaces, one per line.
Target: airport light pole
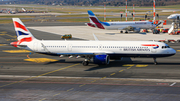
{"x":121,"y":16}
{"x":154,"y":11}
{"x":157,"y":16}
{"x":133,"y":13}
{"x":126,"y":10}
{"x":104,"y":12}
{"x":145,"y":17}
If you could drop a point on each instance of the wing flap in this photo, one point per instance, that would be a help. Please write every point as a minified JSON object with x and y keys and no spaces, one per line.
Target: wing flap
{"x":88,"y":53}
{"x":129,"y":28}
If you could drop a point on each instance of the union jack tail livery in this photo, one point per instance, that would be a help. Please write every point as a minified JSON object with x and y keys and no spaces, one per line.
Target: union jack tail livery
{"x":21,"y":30}
{"x":23,"y":34}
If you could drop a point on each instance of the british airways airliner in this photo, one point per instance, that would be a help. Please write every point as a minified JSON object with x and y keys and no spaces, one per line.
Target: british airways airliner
{"x":135,"y":26}
{"x":99,"y":52}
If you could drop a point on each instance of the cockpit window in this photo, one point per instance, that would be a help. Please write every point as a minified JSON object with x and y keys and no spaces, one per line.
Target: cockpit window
{"x":165,"y":47}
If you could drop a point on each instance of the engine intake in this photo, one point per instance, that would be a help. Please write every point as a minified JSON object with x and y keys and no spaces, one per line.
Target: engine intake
{"x":101,"y":59}
{"x":137,"y":30}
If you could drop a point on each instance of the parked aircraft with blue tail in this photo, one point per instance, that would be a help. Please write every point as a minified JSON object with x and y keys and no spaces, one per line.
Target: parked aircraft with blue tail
{"x":135,"y":26}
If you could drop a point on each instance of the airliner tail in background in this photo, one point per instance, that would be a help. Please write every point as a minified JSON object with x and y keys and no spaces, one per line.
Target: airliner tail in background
{"x":95,"y":22}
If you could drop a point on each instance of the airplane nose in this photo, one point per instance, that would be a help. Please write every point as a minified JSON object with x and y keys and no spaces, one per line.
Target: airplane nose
{"x":169,"y":17}
{"x":173,"y":51}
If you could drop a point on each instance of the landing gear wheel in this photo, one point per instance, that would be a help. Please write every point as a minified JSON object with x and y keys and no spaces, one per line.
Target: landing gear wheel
{"x":85,"y":63}
{"x":126,"y":32}
{"x":155,"y":62}
{"x":121,"y":31}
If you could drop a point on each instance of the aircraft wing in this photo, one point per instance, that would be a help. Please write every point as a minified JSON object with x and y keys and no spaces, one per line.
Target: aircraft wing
{"x":129,"y":28}
{"x":83,"y":54}
{"x":87,"y":53}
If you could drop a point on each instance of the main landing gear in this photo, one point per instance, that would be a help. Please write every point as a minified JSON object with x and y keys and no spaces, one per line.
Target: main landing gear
{"x":155,"y":62}
{"x":125,"y":32}
{"x":85,"y":62}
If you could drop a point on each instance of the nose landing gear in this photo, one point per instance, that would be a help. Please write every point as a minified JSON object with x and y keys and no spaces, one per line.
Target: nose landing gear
{"x":155,"y":62}
{"x":126,"y":31}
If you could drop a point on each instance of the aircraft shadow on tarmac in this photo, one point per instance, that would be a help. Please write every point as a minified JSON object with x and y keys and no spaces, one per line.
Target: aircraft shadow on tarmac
{"x":124,"y":61}
{"x":62,"y":61}
{"x":151,"y":63}
{"x":116,"y":63}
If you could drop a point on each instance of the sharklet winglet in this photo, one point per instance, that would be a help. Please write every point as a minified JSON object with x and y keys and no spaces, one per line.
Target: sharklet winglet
{"x":45,"y":48}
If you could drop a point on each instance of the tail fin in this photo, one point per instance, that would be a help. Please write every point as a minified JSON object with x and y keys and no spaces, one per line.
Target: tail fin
{"x":95,"y":22}
{"x":93,"y":18}
{"x":23,"y":34}
{"x":21,"y":30}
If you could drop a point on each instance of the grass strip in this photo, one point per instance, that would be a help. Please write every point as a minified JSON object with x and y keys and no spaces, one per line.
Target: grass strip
{"x":10,"y":21}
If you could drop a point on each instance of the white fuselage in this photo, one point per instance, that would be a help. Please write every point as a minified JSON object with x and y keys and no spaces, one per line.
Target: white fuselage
{"x":135,"y":24}
{"x":112,"y":48}
{"x":173,"y":16}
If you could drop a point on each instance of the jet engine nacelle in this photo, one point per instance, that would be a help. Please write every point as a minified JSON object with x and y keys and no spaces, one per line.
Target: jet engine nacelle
{"x":137,"y":30}
{"x":129,"y":28}
{"x":101,"y":59}
{"x":177,"y":17}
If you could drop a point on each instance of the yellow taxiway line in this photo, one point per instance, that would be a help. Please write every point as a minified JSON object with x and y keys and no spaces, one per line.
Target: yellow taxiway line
{"x":40,"y":60}
{"x":141,"y":65}
{"x":3,"y":45}
{"x":16,"y":51}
